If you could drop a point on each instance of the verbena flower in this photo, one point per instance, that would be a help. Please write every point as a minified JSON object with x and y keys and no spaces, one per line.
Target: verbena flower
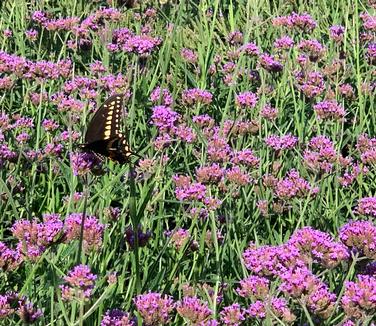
{"x":311,"y":84}
{"x":203,"y":120}
{"x":179,"y":238}
{"x":250,"y":49}
{"x":319,"y":246}
{"x":336,"y":33}
{"x":272,"y":260}
{"x":27,"y":312}
{"x":268,"y":112}
{"x":196,"y":95}
{"x":210,"y":174}
{"x":83,"y":163}
{"x":31,"y":34}
{"x":162,"y":95}
{"x":269,"y":63}
{"x":273,"y":306}
{"x":358,"y":300}
{"x":254,"y":287}
{"x":92,"y":230}
{"x":237,"y":176}
{"x":116,"y":317}
{"x":246,"y":100}
{"x":245,"y":157}
{"x":284,"y":43}
{"x":40,"y":234}
{"x":9,"y":259}
{"x":49,"y":125}
{"x":352,"y":173}
{"x":367,"y":206}
{"x":235,"y":37}
{"x":281,"y":142}
{"x":232,"y":315}
{"x":320,"y":155}
{"x":218,"y":149}
{"x":14,"y":303}
{"x":164,"y":118}
{"x":360,"y":236}
{"x":313,"y":49}
{"x":189,"y":55}
{"x":185,"y":133}
{"x":79,"y":285}
{"x":371,"y":53}
{"x":97,"y":67}
{"x":143,"y":237}
{"x":142,"y":45}
{"x":154,"y":308}
{"x":329,"y":110}
{"x":294,"y":186}
{"x":194,"y":310}
{"x":299,"y":282}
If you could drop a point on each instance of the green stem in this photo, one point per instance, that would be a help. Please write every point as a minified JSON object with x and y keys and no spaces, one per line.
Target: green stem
{"x":310,"y":321}
{"x":80,"y":244}
{"x":135,"y":221}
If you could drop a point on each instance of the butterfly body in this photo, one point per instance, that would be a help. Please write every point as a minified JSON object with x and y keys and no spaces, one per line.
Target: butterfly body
{"x":103,"y":135}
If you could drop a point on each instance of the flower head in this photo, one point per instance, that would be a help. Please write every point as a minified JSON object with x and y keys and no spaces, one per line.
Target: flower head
{"x":79,"y":283}
{"x":154,"y":308}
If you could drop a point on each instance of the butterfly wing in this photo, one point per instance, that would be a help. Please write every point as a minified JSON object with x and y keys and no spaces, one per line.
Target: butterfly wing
{"x":106,"y":121}
{"x":103,"y":134}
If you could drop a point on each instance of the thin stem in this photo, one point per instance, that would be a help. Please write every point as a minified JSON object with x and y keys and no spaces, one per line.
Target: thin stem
{"x":135,"y":221}
{"x":83,"y":218}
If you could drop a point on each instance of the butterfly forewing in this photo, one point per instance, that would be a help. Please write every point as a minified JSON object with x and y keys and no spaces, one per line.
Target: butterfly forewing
{"x":106,"y":121}
{"x":103,"y":134}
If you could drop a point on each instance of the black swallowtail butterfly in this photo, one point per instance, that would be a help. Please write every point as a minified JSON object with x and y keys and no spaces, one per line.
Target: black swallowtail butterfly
{"x":103,"y":134}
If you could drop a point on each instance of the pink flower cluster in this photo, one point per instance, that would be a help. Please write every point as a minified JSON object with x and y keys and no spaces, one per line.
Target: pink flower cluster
{"x":79,"y":284}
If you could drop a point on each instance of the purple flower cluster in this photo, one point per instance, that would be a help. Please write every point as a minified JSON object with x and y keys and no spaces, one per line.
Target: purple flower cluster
{"x":294,"y":186}
{"x":92,"y":230}
{"x":319,"y":247}
{"x":300,"y":282}
{"x":313,"y":49}
{"x":9,"y":259}
{"x":16,"y":304}
{"x":303,"y":22}
{"x":116,"y":317}
{"x":281,"y":143}
{"x":273,"y":307}
{"x":195,"y":95}
{"x":143,"y":237}
{"x":269,"y":63}
{"x":360,"y":236}
{"x":34,"y":238}
{"x":320,"y":154}
{"x":79,"y":284}
{"x":367,"y":206}
{"x":154,"y":308}
{"x":193,"y":310}
{"x":232,"y":315}
{"x":367,"y":149}
{"x":311,"y":84}
{"x":40,"y":70}
{"x":359,"y":298}
{"x":83,"y":163}
{"x":189,"y":55}
{"x":162,"y":95}
{"x":329,"y":110}
{"x":246,"y":100}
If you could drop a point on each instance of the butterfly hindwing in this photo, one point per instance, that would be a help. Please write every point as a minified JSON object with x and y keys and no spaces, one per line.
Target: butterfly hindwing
{"x":103,"y":134}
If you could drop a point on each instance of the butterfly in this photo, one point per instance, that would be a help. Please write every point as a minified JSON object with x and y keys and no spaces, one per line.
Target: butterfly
{"x":103,"y":134}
